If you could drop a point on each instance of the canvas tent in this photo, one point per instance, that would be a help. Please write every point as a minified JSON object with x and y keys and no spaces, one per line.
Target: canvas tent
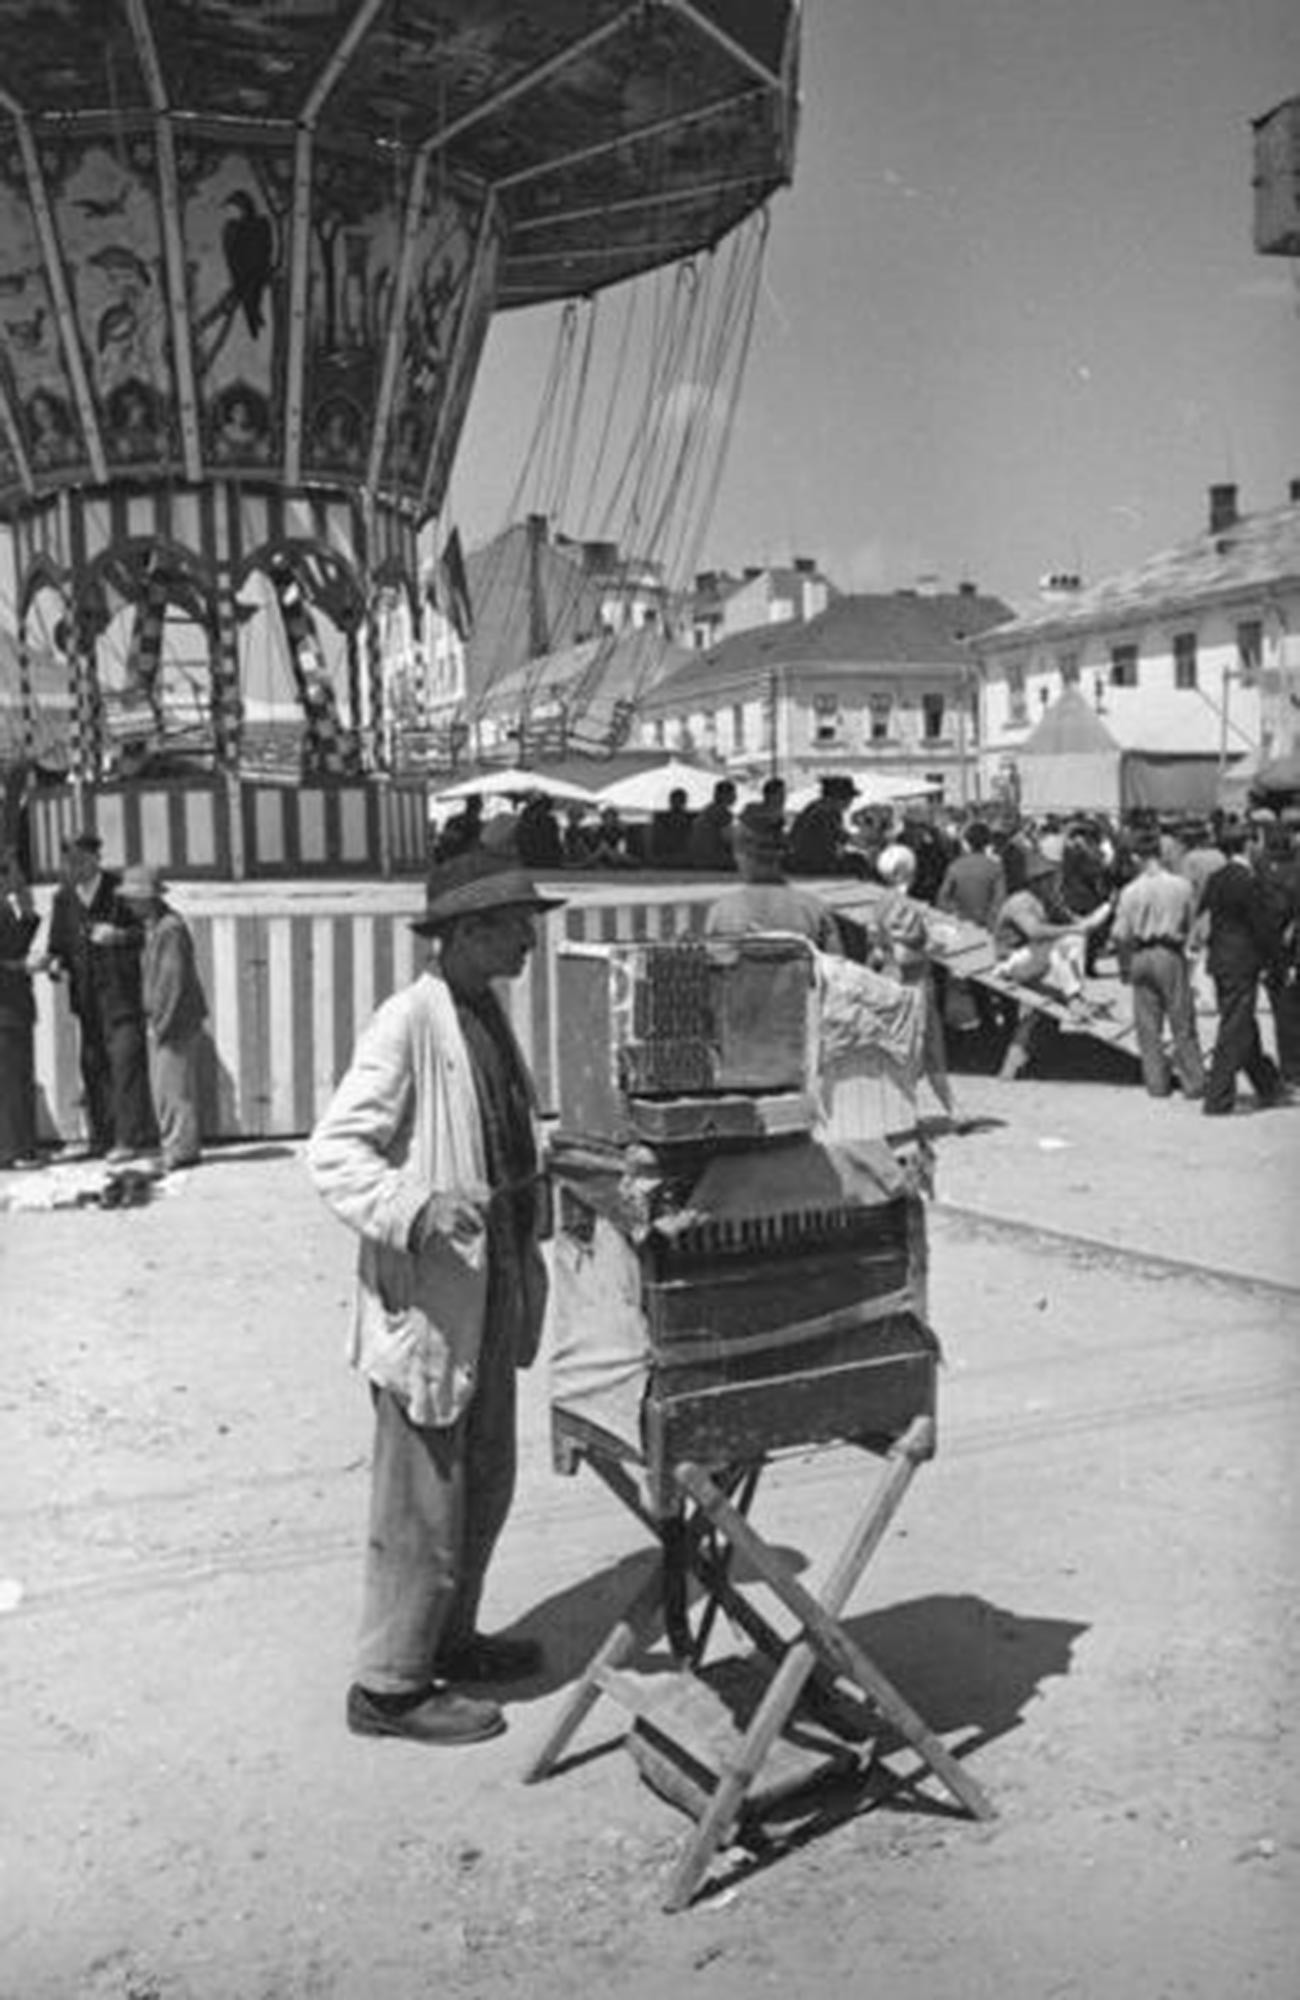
{"x":1071,"y":762}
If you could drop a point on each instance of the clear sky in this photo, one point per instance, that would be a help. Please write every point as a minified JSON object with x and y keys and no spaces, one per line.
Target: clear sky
{"x":1013,"y":319}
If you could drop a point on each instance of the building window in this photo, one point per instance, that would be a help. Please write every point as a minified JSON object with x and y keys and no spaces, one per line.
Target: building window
{"x":1184,"y":659}
{"x":1250,"y":650}
{"x":1123,"y":666}
{"x":881,"y":714}
{"x":738,"y":725}
{"x":826,"y":718}
{"x":1017,"y":711}
{"x":1067,"y":666}
{"x":931,"y":717}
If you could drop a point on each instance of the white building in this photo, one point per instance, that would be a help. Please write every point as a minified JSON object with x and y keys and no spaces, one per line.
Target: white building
{"x":1194,"y":655}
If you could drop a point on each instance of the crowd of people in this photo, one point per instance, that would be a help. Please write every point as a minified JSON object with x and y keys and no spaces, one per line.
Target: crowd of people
{"x":1057,"y":895}
{"x":126,"y":960}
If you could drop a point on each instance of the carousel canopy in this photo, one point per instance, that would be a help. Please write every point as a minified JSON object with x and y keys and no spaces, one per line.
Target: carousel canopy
{"x":262,"y":239}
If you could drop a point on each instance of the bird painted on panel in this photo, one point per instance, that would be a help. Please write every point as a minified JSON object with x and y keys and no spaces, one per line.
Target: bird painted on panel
{"x":248,"y":241}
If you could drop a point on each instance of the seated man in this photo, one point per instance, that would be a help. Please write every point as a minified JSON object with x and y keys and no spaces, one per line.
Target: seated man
{"x":1034,"y":950}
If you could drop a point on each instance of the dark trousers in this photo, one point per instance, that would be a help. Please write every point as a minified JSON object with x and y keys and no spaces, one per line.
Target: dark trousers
{"x":130,"y":1097}
{"x":17,"y":1092}
{"x":1162,"y":992}
{"x":1238,"y":1045}
{"x":96,"y":1083}
{"x":438,"y":1502}
{"x":1284,"y":998}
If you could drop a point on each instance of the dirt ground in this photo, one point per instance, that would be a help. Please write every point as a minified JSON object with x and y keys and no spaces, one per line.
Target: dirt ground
{"x":1091,"y":1592}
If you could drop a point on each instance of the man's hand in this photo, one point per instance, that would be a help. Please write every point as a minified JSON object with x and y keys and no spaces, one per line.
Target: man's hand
{"x":457,"y":1216}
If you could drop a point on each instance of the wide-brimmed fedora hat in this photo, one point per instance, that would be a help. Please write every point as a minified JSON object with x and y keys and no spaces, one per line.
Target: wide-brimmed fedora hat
{"x":472,"y":883}
{"x":141,"y":884}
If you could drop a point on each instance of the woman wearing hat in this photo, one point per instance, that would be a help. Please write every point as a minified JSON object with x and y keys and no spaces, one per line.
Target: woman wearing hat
{"x":428,"y":1151}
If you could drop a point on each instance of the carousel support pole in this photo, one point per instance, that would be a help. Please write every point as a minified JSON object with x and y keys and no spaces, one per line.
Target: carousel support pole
{"x":374,"y":736}
{"x":228,"y":718}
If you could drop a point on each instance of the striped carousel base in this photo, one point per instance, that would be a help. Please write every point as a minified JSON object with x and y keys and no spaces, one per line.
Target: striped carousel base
{"x":294,"y":969}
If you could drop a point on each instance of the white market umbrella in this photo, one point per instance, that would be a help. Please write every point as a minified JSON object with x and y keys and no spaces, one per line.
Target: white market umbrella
{"x":504,"y":784}
{"x":647,"y":791}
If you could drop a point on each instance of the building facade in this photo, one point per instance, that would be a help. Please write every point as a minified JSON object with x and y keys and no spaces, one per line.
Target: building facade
{"x":881,"y":683}
{"x":1193,"y":654}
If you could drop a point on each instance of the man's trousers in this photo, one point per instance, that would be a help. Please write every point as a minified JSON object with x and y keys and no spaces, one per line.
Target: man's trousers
{"x":438,"y":1502}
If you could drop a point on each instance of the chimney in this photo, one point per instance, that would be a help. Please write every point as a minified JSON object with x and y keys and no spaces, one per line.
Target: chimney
{"x":806,"y":565}
{"x":1223,"y":508}
{"x":1293,"y":492}
{"x":967,"y":589}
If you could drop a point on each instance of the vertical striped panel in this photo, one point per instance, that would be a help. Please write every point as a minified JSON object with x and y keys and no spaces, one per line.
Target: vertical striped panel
{"x":325,"y":1071}
{"x":383,"y":958}
{"x":250,"y":955}
{"x":344,"y":1023}
{"x":301,"y":969}
{"x":222,"y":983}
{"x":110,"y":824}
{"x":310,"y":808}
{"x":155,"y":835}
{"x":268,"y":826}
{"x":363,"y":970}
{"x":354,"y":844}
{"x":200,"y":834}
{"x":281,"y":1027}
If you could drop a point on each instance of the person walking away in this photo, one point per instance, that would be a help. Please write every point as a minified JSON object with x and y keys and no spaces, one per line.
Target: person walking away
{"x":94,"y":943}
{"x":1244,"y":943}
{"x":538,"y":841}
{"x":765,"y":899}
{"x":462,"y":831}
{"x":709,"y":844}
{"x":670,"y":832}
{"x":19,"y":924}
{"x":175,"y":1009}
{"x":973,"y":889}
{"x":1035,"y":948}
{"x":1151,"y":933}
{"x":1279,"y":871}
{"x":429,"y":1152}
{"x":1085,"y":886}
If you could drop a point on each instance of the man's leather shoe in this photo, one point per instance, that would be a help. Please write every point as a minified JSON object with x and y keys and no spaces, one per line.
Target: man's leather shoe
{"x":484,"y":1659}
{"x":430,"y":1715}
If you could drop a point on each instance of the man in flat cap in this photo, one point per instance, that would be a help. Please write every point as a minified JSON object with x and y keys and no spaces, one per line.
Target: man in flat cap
{"x":95,"y":944}
{"x":429,"y":1152}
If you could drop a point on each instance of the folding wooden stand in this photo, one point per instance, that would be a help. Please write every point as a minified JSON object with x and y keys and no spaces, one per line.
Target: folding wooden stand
{"x":698,"y":1541}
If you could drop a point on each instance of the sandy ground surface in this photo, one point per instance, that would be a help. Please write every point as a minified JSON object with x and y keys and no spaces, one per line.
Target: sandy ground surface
{"x":1092,"y":1591}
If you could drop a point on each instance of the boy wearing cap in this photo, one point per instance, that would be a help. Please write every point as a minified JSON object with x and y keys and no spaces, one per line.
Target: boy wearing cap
{"x":428,"y":1151}
{"x":175,"y":1008}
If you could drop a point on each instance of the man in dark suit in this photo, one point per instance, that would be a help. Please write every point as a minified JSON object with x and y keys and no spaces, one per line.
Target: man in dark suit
{"x":95,"y":943}
{"x":1244,"y":943}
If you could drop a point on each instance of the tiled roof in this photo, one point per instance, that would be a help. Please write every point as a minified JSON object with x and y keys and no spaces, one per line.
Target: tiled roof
{"x":1256,"y":551}
{"x":897,"y":629}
